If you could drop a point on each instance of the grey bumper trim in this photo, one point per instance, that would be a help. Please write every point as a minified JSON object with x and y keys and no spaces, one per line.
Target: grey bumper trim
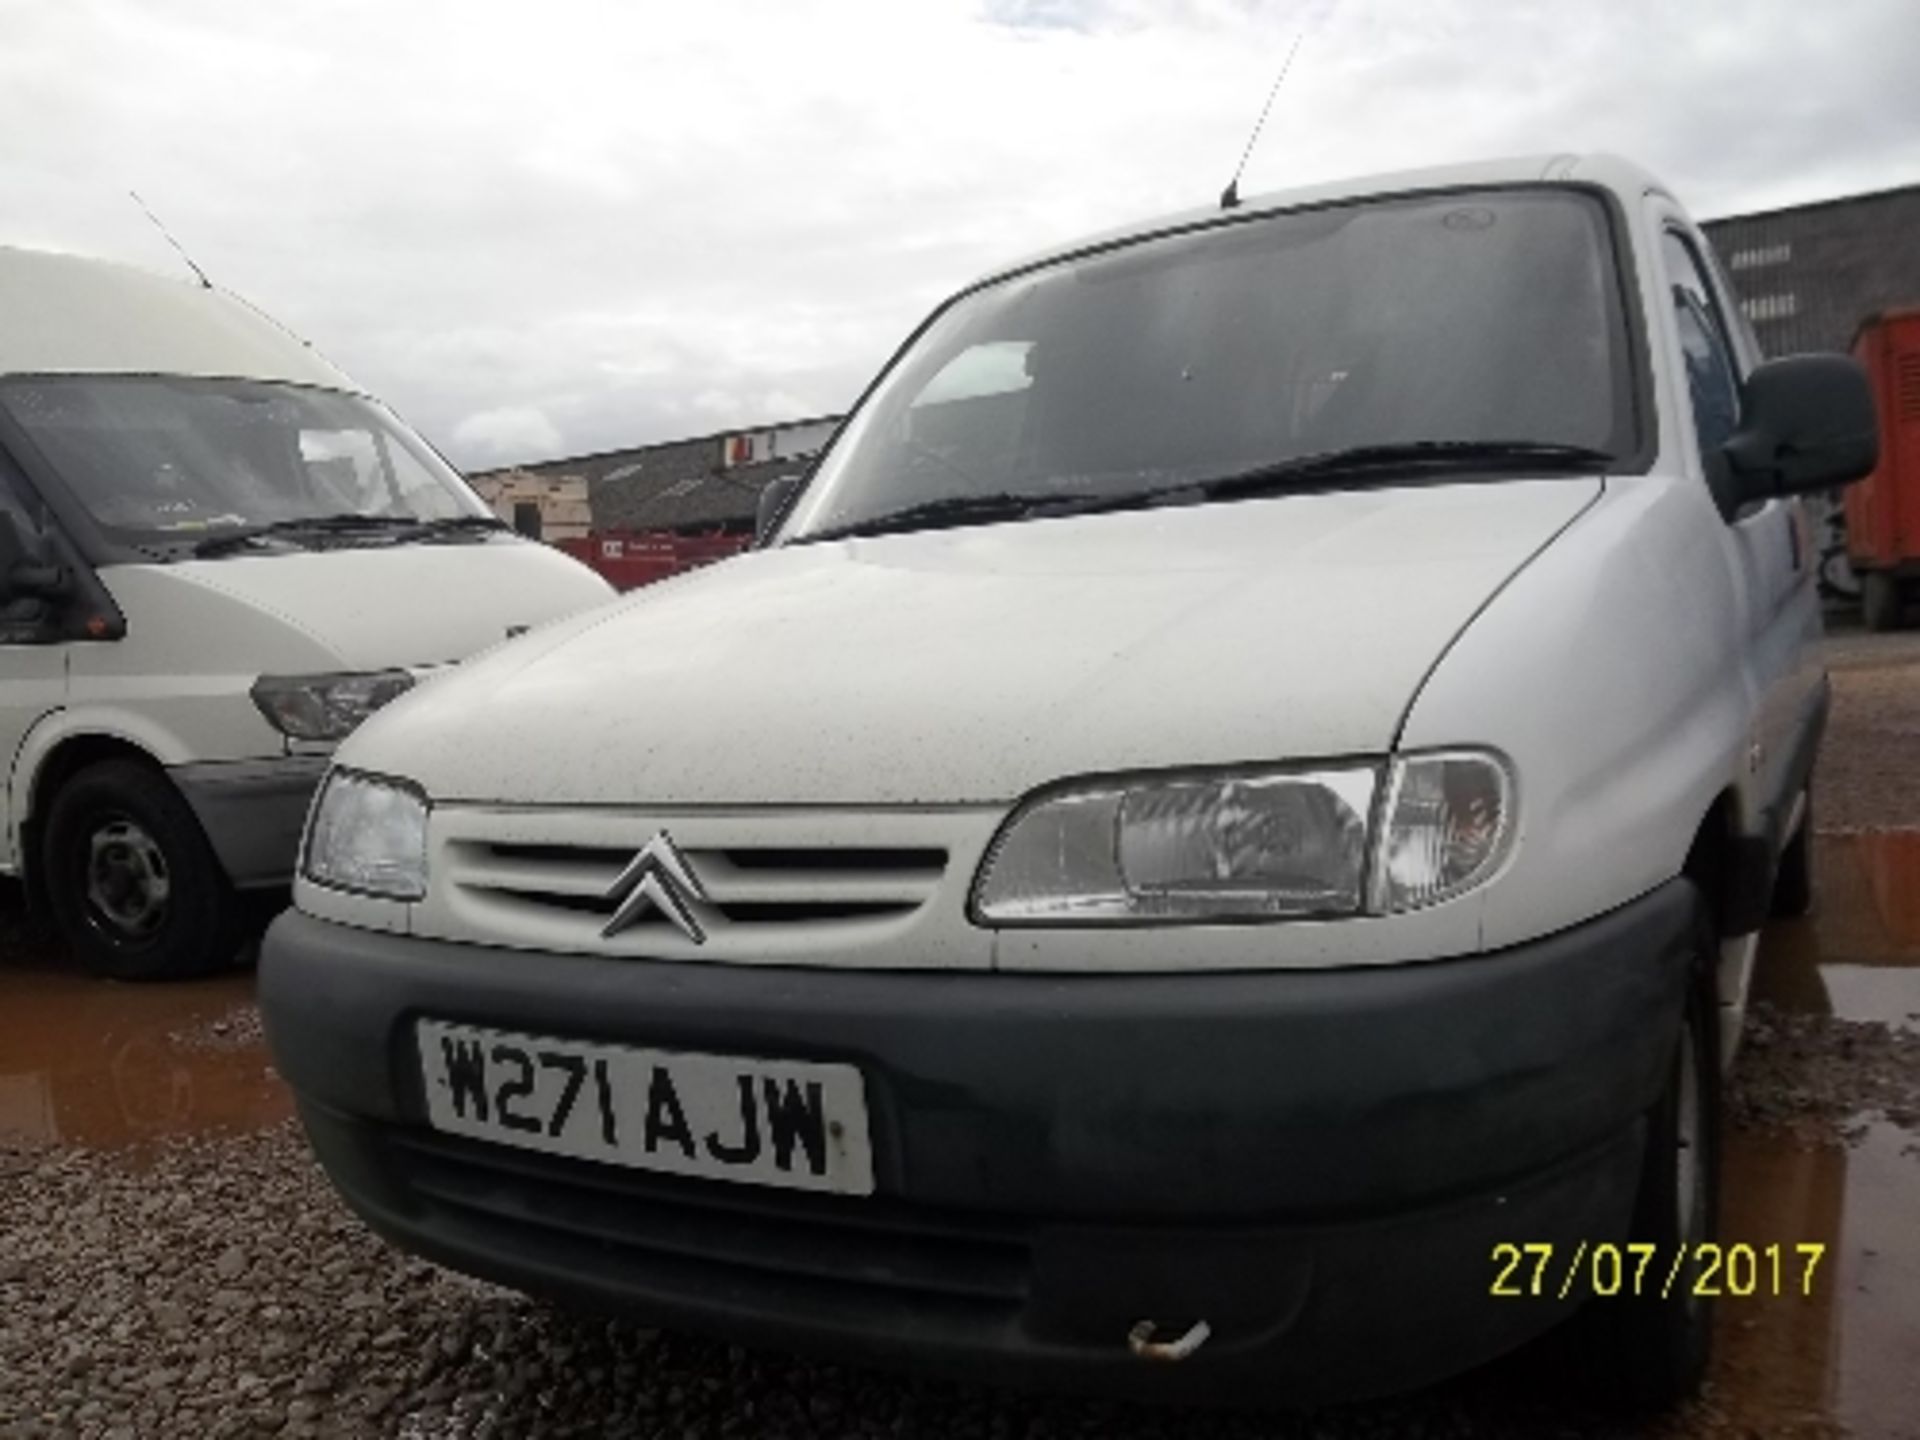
{"x":253,"y":811}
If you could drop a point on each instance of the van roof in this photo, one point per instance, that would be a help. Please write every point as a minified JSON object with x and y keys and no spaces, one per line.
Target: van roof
{"x":72,"y":315}
{"x":1607,"y":172}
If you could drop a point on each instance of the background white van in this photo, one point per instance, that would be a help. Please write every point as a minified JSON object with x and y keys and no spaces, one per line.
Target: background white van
{"x":217,"y":555}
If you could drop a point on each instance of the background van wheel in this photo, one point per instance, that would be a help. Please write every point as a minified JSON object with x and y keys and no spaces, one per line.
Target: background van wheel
{"x":1793,"y":883}
{"x":130,"y":879}
{"x":1880,"y":600}
{"x":1651,"y":1352}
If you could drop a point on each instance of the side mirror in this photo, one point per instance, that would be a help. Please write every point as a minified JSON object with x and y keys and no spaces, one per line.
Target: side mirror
{"x":23,"y":574}
{"x":775,"y":496}
{"x":1807,"y":422}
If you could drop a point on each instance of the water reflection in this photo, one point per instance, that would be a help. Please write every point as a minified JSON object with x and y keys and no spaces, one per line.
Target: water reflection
{"x":1857,"y":956}
{"x":88,"y":1062}
{"x":1851,"y":1349}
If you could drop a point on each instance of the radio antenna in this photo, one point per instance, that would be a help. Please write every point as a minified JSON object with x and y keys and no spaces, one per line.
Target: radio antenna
{"x":166,"y":234}
{"x":1230,"y":197}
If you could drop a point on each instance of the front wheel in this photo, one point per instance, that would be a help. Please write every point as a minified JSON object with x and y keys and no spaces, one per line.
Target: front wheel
{"x":1652,"y":1348}
{"x":132,"y":882}
{"x":1880,"y":600}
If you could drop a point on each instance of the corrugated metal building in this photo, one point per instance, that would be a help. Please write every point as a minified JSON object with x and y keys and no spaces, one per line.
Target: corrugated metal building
{"x":703,"y":486}
{"x":1809,"y":274}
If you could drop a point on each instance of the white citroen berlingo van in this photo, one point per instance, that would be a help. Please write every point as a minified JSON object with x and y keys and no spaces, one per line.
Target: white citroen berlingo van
{"x":1237,"y":797}
{"x":217,"y":555}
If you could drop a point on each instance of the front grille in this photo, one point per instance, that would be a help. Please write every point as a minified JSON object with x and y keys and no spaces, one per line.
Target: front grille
{"x":882,"y":887}
{"x":745,"y":885}
{"x":858,"y":1253}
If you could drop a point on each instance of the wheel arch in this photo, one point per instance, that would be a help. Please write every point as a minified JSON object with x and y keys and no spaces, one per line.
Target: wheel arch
{"x":1731,"y":865}
{"x":1733,"y":871}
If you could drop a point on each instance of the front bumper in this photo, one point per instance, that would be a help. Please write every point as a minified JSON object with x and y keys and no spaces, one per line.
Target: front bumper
{"x":253,"y":812}
{"x":1318,"y":1164}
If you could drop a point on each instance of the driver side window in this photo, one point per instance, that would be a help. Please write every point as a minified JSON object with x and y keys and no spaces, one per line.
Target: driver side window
{"x":1713,"y":384}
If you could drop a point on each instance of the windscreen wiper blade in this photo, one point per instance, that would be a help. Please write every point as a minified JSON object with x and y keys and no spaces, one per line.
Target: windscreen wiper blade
{"x":934,"y":514}
{"x":301,"y":525}
{"x":459,"y":524}
{"x":1408,"y":457}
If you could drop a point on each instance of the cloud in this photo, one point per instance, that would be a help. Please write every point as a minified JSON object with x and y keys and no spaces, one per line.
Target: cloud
{"x":642,"y":221}
{"x":515,"y":433}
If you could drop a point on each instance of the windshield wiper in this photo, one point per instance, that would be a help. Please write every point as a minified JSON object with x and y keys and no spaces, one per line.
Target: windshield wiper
{"x":301,"y":525}
{"x":460,"y":524}
{"x":1385,"y":461}
{"x":1408,"y":457}
{"x":933,"y":514}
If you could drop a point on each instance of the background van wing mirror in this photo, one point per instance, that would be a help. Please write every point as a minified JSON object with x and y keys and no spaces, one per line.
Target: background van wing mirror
{"x":28,"y":584}
{"x":1807,"y":422}
{"x":24,"y":573}
{"x":775,"y":496}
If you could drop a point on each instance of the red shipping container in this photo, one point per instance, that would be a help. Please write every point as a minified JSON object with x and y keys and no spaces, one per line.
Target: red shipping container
{"x":628,"y":560}
{"x":1883,"y":511}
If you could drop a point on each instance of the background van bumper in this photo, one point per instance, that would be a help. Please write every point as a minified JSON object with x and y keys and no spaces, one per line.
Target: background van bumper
{"x":253,"y":812}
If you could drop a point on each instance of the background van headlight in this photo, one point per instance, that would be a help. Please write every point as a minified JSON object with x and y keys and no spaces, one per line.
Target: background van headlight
{"x":325,"y":707}
{"x":1251,"y":844}
{"x":368,"y":834}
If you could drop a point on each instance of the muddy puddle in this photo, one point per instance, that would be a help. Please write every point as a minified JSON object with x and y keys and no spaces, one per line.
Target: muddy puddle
{"x":1847,"y":1347}
{"x":104,"y":1065}
{"x":1858,"y":956}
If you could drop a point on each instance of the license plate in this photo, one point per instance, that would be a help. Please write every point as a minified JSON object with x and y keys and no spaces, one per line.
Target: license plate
{"x":719,"y":1117}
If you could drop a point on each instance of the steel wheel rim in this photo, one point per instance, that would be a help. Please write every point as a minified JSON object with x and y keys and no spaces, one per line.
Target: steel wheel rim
{"x":128,"y":884}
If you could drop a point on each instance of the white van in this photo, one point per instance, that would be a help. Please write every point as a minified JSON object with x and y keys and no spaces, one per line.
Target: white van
{"x":217,"y":555}
{"x":1217,"y":846}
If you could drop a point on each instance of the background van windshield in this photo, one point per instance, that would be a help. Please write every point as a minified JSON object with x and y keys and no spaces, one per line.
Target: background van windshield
{"x":158,"y":461}
{"x":1483,"y":316}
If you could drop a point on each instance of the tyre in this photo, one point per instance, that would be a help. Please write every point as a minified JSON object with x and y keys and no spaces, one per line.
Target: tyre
{"x":1838,"y":579}
{"x":131,"y":880}
{"x":1880,"y":600}
{"x":1651,"y":1349}
{"x":1793,"y":882}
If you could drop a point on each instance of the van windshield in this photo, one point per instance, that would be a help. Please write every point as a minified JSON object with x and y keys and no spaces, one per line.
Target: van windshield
{"x":164,"y":462}
{"x":1480,"y":328}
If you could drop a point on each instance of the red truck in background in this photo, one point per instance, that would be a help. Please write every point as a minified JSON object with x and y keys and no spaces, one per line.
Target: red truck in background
{"x":629,"y":559}
{"x":1883,"y":511}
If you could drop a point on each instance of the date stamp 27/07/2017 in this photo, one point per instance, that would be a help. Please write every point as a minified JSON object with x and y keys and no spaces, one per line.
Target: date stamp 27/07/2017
{"x":1545,"y":1270}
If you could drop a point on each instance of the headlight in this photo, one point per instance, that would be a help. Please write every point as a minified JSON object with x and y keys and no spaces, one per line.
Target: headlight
{"x":1242,"y":846}
{"x":1251,"y":845}
{"x":325,"y":707}
{"x":1450,"y":822}
{"x":368,"y":834}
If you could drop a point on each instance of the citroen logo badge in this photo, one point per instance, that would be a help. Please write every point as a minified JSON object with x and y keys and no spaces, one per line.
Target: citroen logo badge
{"x":658,"y":878}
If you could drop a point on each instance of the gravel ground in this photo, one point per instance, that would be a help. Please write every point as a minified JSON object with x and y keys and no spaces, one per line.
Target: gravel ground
{"x":1819,"y":1078}
{"x":1869,"y":778}
{"x":219,"y":1289}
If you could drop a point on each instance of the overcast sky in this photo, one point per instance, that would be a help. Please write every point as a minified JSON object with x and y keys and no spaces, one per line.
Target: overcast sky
{"x":558,"y":226}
